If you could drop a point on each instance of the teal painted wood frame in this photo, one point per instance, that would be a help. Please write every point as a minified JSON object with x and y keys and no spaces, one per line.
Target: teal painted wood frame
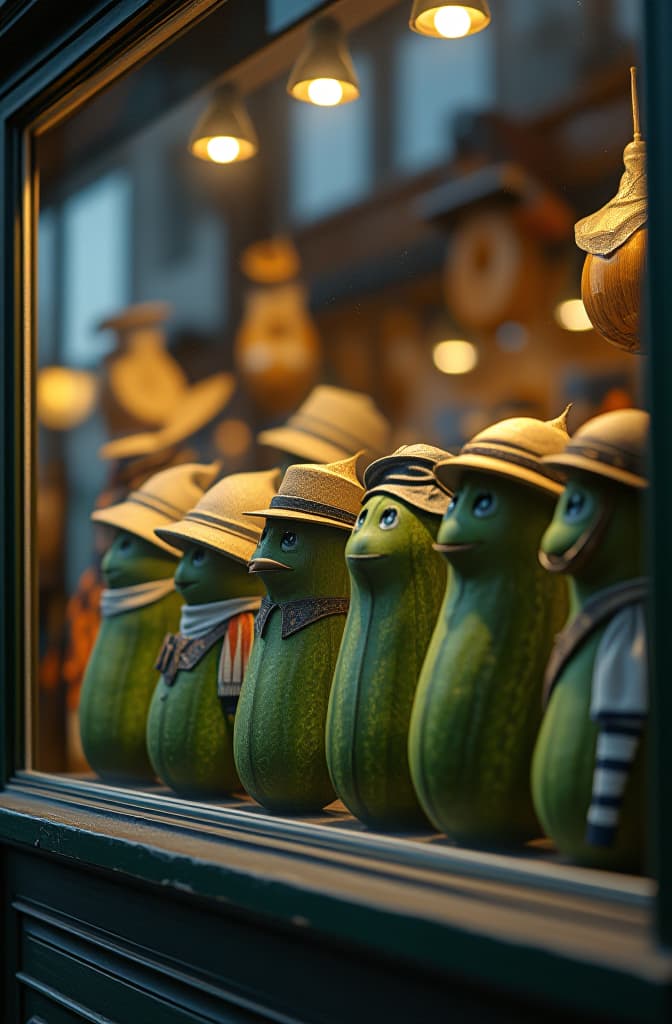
{"x":47,"y":64}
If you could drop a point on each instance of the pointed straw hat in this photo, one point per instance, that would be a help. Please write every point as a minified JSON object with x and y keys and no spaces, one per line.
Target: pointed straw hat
{"x":161,"y":500}
{"x":512,"y":448}
{"x":331,"y":424}
{"x":218,"y":520}
{"x":408,"y":474}
{"x":330,"y":495}
{"x":613,"y":445}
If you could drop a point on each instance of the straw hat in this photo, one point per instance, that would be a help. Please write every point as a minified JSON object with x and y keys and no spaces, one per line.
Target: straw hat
{"x":408,"y":473}
{"x":513,"y":448}
{"x":331,"y":424}
{"x":613,"y":445}
{"x":162,"y":499}
{"x":218,"y":522}
{"x":330,"y":495}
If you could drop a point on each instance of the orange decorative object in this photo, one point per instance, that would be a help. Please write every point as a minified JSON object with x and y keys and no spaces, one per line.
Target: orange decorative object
{"x":277,"y":348}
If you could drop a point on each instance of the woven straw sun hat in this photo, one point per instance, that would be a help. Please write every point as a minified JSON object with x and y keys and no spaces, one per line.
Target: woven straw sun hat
{"x":218,"y":520}
{"x":161,"y":500}
{"x":408,"y":474}
{"x":330,"y":495}
{"x":513,"y":448}
{"x":331,"y":424}
{"x":613,"y":445}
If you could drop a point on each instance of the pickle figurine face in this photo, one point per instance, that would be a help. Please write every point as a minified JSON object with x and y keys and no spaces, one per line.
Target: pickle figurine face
{"x":204,"y":576}
{"x":577,"y":511}
{"x":294,"y":558}
{"x":384,"y":535}
{"x":131,"y":560}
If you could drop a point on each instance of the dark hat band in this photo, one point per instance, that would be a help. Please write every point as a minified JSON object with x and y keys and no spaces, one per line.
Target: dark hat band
{"x":313,"y":508}
{"x":223,"y":525}
{"x":626,"y":461}
{"x":510,"y":456}
{"x":413,"y":481}
{"x":320,"y":429}
{"x":156,"y":504}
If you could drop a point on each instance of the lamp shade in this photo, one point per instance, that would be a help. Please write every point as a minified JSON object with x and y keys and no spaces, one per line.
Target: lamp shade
{"x":450,"y":19}
{"x":224,"y":133}
{"x":324,"y":73}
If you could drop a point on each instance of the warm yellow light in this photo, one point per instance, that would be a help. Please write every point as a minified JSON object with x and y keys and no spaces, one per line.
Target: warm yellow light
{"x":455,"y":356}
{"x":452,"y":22}
{"x":571,"y":315}
{"x":325,"y":92}
{"x":65,"y":397}
{"x":223,"y":149}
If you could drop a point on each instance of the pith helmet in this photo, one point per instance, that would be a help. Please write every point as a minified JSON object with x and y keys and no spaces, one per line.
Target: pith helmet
{"x":330,"y":495}
{"x":162,"y":499}
{"x":408,"y":473}
{"x":512,"y":448}
{"x":331,"y":424}
{"x":218,"y":520}
{"x":613,"y":445}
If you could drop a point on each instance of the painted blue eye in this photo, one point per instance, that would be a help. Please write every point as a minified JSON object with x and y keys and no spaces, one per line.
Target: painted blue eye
{"x":485,"y":504}
{"x":288,"y":542}
{"x":198,"y":556}
{"x":125,"y":543}
{"x":389,"y":519}
{"x":452,"y":504}
{"x":577,"y":506}
{"x":361,"y":519}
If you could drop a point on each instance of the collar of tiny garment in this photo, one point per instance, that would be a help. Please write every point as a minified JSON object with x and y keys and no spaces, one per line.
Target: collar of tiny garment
{"x":127,"y":599}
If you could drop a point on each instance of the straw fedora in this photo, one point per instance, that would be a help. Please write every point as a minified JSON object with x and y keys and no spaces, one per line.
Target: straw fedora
{"x":613,"y":445}
{"x":331,"y":424}
{"x":162,"y":499}
{"x":408,"y":474}
{"x":327,"y":494}
{"x":513,"y":448}
{"x":218,"y":522}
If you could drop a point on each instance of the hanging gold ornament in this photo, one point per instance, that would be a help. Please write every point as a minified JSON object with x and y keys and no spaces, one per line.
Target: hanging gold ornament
{"x":615,"y":239}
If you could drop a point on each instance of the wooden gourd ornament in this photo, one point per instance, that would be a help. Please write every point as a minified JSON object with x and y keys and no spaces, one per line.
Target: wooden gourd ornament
{"x":190,"y":721}
{"x":588,"y":777}
{"x":614,"y":239}
{"x":279,"y":731}
{"x":478,"y":703}
{"x":398,"y":582}
{"x":139,"y":606}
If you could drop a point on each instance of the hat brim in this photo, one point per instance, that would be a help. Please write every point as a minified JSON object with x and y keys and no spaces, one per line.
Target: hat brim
{"x":436,"y":505}
{"x":448,"y":473}
{"x":135,"y":519}
{"x":224,"y":542}
{"x":303,"y":446}
{"x":304,"y":517}
{"x":200,"y":404}
{"x":569,"y":460}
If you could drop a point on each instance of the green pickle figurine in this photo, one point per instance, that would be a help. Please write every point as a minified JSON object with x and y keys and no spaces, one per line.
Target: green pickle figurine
{"x":138,"y":606}
{"x":190,"y":723}
{"x":398,"y":582}
{"x":588,"y":767}
{"x":478,"y":704}
{"x":279,"y":741}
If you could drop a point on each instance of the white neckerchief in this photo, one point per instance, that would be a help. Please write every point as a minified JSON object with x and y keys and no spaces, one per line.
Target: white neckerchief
{"x":198,"y":619}
{"x":126,"y":599}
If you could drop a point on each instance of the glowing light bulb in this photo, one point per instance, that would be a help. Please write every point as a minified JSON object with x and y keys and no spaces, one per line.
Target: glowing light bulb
{"x":455,"y":356}
{"x":325,"y":92}
{"x":452,"y":22}
{"x":223,"y":149}
{"x":571,"y":315}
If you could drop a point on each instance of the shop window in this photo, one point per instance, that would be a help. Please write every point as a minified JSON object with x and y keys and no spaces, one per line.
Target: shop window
{"x":283,"y":13}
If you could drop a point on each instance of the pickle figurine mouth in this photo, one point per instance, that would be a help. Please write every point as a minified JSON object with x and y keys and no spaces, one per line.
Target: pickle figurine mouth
{"x":448,"y":549}
{"x":266,"y":565}
{"x":364,"y":557}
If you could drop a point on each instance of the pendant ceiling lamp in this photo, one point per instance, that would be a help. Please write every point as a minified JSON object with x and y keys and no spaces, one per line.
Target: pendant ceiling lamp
{"x":323,"y":73}
{"x":452,"y":19}
{"x":224,"y":133}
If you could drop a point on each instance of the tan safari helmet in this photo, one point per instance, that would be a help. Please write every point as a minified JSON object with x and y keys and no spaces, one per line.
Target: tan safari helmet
{"x":408,"y":474}
{"x":331,"y":424}
{"x":513,"y":448}
{"x":329,"y":495}
{"x":218,"y":520}
{"x":613,"y":445}
{"x":161,"y":500}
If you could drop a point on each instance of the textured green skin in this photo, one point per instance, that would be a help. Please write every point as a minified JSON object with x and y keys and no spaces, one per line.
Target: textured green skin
{"x":189,"y":737}
{"x":394,"y":605}
{"x":478,"y":703}
{"x":120,"y":677}
{"x":279,"y":733}
{"x":564,"y":757}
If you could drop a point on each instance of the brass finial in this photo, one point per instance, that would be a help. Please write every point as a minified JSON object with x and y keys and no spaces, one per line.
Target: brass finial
{"x":560,"y":422}
{"x":637,"y":135}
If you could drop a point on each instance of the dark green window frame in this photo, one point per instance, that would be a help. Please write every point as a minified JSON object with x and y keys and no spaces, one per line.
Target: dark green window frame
{"x":595,"y":945}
